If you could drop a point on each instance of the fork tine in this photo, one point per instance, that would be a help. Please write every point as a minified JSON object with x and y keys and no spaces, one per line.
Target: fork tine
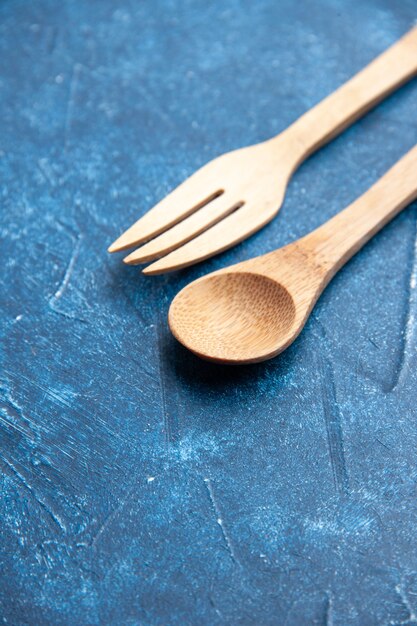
{"x":190,"y":227}
{"x":181,"y":202}
{"x":232,"y":229}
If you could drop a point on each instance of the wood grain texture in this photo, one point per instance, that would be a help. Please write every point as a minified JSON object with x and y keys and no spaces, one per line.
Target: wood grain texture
{"x":251,"y":182}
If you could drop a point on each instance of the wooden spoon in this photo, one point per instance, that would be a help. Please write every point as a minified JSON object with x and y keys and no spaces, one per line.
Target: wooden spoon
{"x":252,"y":311}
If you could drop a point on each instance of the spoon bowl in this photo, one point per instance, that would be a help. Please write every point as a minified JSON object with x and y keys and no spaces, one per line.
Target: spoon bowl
{"x":235,"y":317}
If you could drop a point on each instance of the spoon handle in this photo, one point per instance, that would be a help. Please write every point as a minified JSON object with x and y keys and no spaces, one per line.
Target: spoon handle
{"x":387,"y":72}
{"x":336,"y":241}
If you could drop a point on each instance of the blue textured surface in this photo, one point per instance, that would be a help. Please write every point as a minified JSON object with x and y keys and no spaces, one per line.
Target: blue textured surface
{"x":140,"y":486}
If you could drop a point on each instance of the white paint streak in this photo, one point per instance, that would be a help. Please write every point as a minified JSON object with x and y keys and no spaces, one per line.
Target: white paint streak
{"x":219,"y":519}
{"x":68,"y":271}
{"x":412,"y":616}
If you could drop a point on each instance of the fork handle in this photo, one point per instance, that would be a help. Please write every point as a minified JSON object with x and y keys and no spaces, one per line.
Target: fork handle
{"x":336,"y":241}
{"x":331,"y":116}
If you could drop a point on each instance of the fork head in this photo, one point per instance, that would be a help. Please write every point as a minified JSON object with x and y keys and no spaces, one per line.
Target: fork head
{"x":219,"y":205}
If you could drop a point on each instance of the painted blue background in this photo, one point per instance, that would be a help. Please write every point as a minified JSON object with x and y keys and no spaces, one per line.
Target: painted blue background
{"x":120,"y":451}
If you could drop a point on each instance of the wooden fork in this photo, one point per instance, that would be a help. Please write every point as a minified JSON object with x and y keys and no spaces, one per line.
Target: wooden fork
{"x":237,"y":193}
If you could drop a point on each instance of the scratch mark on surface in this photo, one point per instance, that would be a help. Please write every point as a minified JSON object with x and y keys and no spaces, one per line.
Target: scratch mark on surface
{"x":43,"y":505}
{"x":46,"y":560}
{"x":11,"y":414}
{"x":106,"y":524}
{"x":168,"y":386}
{"x":155,"y":106}
{"x":62,"y":398}
{"x":320,"y":326}
{"x":76,"y":72}
{"x":66,"y":279}
{"x":219,"y":519}
{"x":51,"y":39}
{"x":404,"y":365}
{"x":46,"y":171}
{"x":128,"y":298}
{"x":97,"y":415}
{"x":412,"y":617}
{"x":167,"y":426}
{"x":68,"y":271}
{"x":111,"y":517}
{"x":328,"y":615}
{"x":19,"y":429}
{"x":333,"y":427}
{"x":382,"y":443}
{"x":213,"y":604}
